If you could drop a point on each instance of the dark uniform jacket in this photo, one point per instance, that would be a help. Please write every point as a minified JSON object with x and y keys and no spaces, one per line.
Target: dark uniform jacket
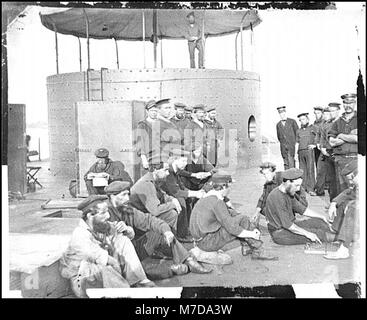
{"x":280,"y":210}
{"x":341,"y":125}
{"x":317,"y":125}
{"x":287,"y":135}
{"x":170,"y":137}
{"x":198,"y":134}
{"x":211,"y":214}
{"x":147,"y":139}
{"x":305,"y":136}
{"x":324,"y":131}
{"x":299,"y":196}
{"x":215,"y":130}
{"x":174,"y":185}
{"x":115,"y":169}
{"x":140,"y":221}
{"x":181,"y":124}
{"x":149,"y":198}
{"x":202,"y":165}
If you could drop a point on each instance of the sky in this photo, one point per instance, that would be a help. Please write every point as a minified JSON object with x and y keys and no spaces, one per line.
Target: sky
{"x":304,"y":58}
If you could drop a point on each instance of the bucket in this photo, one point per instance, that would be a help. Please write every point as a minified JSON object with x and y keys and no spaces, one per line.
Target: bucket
{"x":31,"y":187}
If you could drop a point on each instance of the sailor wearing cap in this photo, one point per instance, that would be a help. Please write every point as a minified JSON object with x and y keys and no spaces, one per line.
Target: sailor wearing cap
{"x":214,"y":225}
{"x":197,"y":131}
{"x":170,"y":136}
{"x":343,"y":138}
{"x":188,"y":112}
{"x":193,"y":35}
{"x":215,"y":134}
{"x":334,"y":108}
{"x":279,"y":211}
{"x":98,"y":254}
{"x":343,"y":211}
{"x":286,"y":133}
{"x":180,"y":119}
{"x":272,"y":180}
{"x":103,"y":172}
{"x":305,"y":138}
{"x":180,"y":111}
{"x":145,"y":140}
{"x":153,"y":232}
{"x":326,"y":166}
{"x":349,"y":98}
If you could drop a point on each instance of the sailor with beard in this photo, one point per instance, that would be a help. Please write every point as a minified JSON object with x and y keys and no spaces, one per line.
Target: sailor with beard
{"x":104,"y":168}
{"x":152,"y":234}
{"x":98,"y":255}
{"x":343,"y":138}
{"x":280,"y":211}
{"x":180,"y":119}
{"x":273,"y":179}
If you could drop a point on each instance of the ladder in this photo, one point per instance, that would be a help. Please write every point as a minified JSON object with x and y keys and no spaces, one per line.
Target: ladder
{"x":94,"y":84}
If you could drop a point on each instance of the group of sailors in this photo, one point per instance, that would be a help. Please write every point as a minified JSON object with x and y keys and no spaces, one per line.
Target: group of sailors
{"x":324,"y":147}
{"x":182,"y":197}
{"x":328,"y":147}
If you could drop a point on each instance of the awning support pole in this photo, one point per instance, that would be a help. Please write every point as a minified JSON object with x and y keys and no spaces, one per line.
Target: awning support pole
{"x":57,"y":51}
{"x":144,"y":38}
{"x":236,"y":50}
{"x":252,"y":47}
{"x":117,"y":55}
{"x":80,"y":55}
{"x":155,"y":36}
{"x":161,"y":53}
{"x":203,"y":37}
{"x":87,"y":32}
{"x":241,"y":47}
{"x":241,"y":31}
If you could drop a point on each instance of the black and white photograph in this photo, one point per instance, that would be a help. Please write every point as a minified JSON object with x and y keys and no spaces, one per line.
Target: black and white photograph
{"x":183,"y":150}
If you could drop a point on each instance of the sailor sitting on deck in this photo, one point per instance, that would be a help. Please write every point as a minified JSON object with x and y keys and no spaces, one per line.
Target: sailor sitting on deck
{"x":99,"y":255}
{"x":103,"y":172}
{"x":274,"y":179}
{"x":213,"y":224}
{"x":280,"y":210}
{"x":153,"y":235}
{"x":344,"y":212}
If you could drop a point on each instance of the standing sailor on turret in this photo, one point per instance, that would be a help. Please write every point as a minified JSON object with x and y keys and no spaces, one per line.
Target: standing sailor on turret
{"x":193,"y":36}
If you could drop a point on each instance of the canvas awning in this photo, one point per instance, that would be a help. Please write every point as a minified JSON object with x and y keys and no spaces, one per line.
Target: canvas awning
{"x":127,"y":24}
